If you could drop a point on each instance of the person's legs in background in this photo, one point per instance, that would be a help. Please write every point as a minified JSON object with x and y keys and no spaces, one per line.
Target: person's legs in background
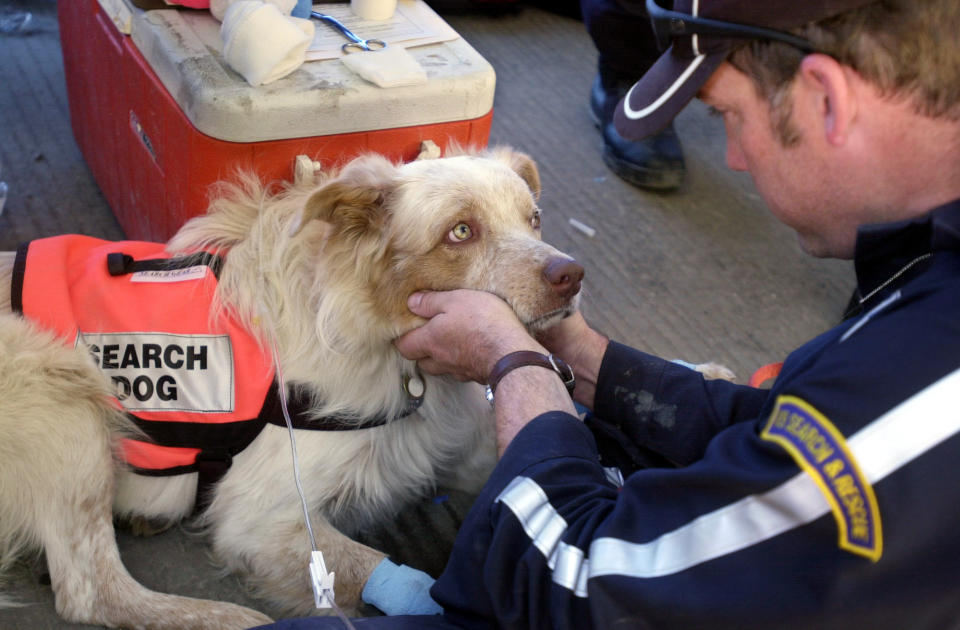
{"x":627,"y":48}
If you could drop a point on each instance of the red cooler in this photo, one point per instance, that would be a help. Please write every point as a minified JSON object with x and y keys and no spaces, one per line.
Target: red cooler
{"x":159,"y":115}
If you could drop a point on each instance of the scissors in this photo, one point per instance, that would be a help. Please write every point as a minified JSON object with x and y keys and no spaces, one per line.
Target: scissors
{"x":355,"y":44}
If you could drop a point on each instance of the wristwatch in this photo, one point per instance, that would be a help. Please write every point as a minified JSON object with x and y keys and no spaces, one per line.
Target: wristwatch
{"x":523,"y":358}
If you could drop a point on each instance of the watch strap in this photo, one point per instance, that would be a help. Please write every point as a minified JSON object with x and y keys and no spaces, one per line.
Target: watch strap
{"x":523,"y":358}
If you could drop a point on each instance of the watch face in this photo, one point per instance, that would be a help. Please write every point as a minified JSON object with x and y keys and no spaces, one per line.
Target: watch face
{"x":488,"y":392}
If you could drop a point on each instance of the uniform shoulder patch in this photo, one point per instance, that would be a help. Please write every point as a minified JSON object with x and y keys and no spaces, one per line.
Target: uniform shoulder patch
{"x":822,"y":452}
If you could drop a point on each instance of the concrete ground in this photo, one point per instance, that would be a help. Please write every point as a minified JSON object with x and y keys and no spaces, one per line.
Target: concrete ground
{"x":702,"y":274}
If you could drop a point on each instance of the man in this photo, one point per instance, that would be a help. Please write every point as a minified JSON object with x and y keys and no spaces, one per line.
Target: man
{"x":830,"y":501}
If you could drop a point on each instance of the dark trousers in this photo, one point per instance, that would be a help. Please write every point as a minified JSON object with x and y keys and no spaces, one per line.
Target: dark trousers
{"x":624,"y":40}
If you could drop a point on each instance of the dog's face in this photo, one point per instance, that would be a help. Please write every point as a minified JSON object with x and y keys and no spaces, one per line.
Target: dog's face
{"x":460,"y":222}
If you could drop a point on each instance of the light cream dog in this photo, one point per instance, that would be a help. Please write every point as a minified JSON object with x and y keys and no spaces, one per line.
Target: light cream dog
{"x":322,"y":272}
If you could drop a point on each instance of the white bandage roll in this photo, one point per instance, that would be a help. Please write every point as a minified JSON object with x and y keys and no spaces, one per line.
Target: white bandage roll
{"x":261,"y":43}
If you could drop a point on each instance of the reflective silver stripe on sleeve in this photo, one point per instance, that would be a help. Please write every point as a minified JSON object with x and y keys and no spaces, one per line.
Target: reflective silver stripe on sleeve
{"x":546,"y":527}
{"x":885,"y":445}
{"x":540,"y":521}
{"x":571,"y":569}
{"x":732,"y":528}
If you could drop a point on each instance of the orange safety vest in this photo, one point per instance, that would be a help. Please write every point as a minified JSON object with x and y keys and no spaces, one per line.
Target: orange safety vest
{"x":194,"y":384}
{"x":200,"y":388}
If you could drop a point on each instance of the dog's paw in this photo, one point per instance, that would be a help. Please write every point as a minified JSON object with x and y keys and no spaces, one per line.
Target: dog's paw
{"x":145,"y":526}
{"x":243,"y":618}
{"x":715,"y":370}
{"x":198,"y":614}
{"x":709,"y":370}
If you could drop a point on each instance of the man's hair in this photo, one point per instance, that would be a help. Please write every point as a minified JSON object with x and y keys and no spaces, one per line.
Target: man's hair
{"x":908,"y":49}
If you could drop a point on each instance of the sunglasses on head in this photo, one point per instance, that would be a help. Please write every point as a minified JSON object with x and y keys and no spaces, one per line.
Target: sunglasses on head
{"x":668,"y":24}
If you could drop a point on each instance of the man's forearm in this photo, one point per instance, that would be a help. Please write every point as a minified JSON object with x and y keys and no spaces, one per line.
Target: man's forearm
{"x":522,"y":395}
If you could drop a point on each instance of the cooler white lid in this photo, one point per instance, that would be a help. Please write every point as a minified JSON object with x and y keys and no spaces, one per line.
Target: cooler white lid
{"x":320,"y":98}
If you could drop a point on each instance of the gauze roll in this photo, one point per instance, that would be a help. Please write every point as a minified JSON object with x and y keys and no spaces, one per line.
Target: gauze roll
{"x":261,"y":43}
{"x":392,"y":66}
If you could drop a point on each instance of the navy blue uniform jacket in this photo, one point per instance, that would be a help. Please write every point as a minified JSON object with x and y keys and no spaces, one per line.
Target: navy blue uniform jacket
{"x":830,"y":501}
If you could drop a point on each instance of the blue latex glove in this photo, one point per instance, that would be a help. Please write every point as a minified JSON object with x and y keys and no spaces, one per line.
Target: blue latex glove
{"x":397,"y":589}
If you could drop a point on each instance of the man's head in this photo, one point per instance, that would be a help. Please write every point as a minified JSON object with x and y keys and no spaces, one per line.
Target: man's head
{"x":907,"y":49}
{"x":697,"y":36}
{"x":814,"y":105}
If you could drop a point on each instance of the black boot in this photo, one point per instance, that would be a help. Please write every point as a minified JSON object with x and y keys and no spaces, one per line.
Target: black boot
{"x":654,"y":163}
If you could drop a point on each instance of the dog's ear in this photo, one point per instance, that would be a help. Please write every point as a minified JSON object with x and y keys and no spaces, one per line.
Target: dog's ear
{"x":353,"y":202}
{"x":523,"y":165}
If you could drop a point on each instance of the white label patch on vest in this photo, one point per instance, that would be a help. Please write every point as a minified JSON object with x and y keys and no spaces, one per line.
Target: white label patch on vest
{"x":164,"y":372}
{"x":171,"y":275}
{"x":820,"y":449}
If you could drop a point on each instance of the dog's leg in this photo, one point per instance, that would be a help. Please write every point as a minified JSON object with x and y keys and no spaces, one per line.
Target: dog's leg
{"x":92,"y":585}
{"x":58,"y":474}
{"x":89,"y":580}
{"x":276,"y":558}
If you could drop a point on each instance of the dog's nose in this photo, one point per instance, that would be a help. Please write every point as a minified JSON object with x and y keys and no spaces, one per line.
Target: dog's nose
{"x":564,"y":275}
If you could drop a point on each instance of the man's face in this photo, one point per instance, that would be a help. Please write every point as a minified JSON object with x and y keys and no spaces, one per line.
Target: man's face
{"x":796,"y":182}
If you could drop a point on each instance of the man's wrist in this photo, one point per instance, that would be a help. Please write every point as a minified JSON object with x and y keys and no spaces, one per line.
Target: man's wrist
{"x":586,"y":365}
{"x":525,"y":358}
{"x":524,"y":394}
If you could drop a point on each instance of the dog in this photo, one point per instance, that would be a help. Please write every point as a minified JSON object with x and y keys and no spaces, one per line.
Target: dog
{"x":316,"y":277}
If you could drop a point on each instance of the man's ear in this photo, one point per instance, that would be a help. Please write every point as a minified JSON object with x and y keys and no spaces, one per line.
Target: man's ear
{"x":835,"y":96}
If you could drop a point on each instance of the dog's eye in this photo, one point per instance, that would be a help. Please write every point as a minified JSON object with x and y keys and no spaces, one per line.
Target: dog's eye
{"x":460,"y":233}
{"x":535,"y":219}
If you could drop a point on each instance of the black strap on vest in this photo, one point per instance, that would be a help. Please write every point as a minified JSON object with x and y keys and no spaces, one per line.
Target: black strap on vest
{"x":16,"y":282}
{"x":120,"y":264}
{"x":220,"y":442}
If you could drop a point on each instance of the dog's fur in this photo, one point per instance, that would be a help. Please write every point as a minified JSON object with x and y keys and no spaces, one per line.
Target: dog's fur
{"x":322,"y":272}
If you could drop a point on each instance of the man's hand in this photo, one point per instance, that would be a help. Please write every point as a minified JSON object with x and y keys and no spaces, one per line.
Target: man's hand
{"x":466,"y":333}
{"x":567,"y":337}
{"x":582,"y":347}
